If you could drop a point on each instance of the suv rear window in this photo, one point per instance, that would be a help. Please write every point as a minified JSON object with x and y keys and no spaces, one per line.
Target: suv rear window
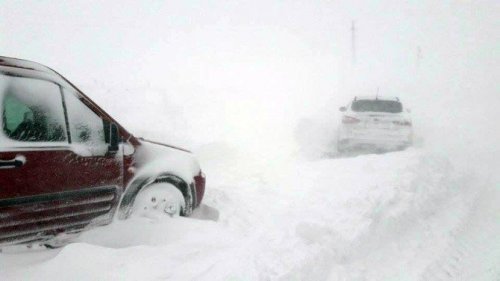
{"x":377,"y":106}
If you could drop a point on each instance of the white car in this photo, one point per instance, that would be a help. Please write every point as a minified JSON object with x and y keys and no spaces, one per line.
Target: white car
{"x":375,"y":123}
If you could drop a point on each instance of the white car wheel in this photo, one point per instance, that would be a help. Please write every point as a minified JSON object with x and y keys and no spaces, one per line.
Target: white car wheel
{"x":158,"y":199}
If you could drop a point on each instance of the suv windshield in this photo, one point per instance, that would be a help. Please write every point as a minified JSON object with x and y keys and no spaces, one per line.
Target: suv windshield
{"x":377,"y":106}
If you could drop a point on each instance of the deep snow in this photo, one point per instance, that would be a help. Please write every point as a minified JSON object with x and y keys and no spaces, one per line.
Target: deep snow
{"x":407,"y":215}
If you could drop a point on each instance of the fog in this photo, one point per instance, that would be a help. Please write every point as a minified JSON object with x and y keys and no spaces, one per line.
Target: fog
{"x":247,"y":72}
{"x":254,"y":89}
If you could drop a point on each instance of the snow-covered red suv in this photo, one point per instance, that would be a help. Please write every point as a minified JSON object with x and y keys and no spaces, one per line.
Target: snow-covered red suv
{"x":379,"y":123}
{"x":67,"y":166}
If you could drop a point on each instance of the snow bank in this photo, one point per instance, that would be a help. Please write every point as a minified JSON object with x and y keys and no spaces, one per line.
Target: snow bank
{"x":306,"y":221}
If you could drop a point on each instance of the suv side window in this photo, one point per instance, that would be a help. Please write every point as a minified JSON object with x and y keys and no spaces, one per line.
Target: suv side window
{"x":32,"y":110}
{"x":86,"y":128}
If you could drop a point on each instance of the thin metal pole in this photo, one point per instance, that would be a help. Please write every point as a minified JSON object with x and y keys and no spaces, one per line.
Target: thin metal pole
{"x":419,"y":57}
{"x":353,"y":42}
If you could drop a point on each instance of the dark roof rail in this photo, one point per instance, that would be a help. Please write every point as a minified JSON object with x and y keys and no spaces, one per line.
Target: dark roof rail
{"x":24,"y":64}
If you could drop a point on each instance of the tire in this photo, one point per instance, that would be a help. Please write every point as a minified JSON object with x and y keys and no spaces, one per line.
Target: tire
{"x":159,"y":199}
{"x":341,"y":147}
{"x":342,"y":144}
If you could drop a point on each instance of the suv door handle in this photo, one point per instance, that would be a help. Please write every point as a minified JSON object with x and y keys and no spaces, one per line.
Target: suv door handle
{"x":17,"y":162}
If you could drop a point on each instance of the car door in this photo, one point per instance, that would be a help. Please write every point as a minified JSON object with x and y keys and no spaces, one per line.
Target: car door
{"x":56,"y":173}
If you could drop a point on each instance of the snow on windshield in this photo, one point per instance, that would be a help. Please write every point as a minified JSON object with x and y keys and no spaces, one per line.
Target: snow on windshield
{"x":32,"y":110}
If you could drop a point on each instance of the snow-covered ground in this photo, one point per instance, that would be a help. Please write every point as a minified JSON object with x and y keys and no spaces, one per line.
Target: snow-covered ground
{"x":410,"y":215}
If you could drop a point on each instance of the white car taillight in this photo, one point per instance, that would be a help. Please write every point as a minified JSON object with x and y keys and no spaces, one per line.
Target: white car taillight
{"x":350,"y":120}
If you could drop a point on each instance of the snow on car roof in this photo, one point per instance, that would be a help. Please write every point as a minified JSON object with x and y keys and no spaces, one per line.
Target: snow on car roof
{"x":376,"y":98}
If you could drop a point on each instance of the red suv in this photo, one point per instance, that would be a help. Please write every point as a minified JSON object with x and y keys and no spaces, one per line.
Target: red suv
{"x":66,"y":165}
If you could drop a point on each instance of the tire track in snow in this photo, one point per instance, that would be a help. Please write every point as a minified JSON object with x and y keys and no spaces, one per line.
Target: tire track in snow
{"x":393,"y":198}
{"x":474,"y":251}
{"x":413,"y":211}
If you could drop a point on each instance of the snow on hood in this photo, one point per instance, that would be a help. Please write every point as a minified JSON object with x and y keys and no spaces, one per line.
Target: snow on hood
{"x":153,"y":159}
{"x":164,"y":144}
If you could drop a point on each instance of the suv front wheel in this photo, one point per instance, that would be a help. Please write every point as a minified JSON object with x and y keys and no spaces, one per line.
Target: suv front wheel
{"x":159,"y":199}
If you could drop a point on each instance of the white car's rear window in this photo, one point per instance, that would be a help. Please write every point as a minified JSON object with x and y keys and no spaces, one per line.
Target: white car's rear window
{"x":377,"y":106}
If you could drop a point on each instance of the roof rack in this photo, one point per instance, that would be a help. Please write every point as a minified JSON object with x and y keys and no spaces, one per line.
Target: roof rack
{"x":24,"y":64}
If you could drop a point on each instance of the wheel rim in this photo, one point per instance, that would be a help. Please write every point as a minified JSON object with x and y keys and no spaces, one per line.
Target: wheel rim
{"x":159,"y":199}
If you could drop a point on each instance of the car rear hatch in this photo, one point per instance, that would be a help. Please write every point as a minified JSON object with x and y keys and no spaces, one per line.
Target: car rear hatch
{"x":379,"y":120}
{"x":380,"y":126}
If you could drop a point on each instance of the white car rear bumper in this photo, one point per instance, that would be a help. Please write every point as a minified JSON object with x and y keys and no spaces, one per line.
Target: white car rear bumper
{"x":374,"y":138}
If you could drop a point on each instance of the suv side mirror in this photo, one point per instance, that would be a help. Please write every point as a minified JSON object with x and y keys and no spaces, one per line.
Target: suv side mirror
{"x":343,"y":108}
{"x":114,"y":138}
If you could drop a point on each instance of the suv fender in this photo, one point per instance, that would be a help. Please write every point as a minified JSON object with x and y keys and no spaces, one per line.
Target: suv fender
{"x":128,"y":198}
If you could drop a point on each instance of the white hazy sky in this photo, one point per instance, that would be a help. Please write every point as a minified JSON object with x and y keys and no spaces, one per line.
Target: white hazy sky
{"x":264,"y":64}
